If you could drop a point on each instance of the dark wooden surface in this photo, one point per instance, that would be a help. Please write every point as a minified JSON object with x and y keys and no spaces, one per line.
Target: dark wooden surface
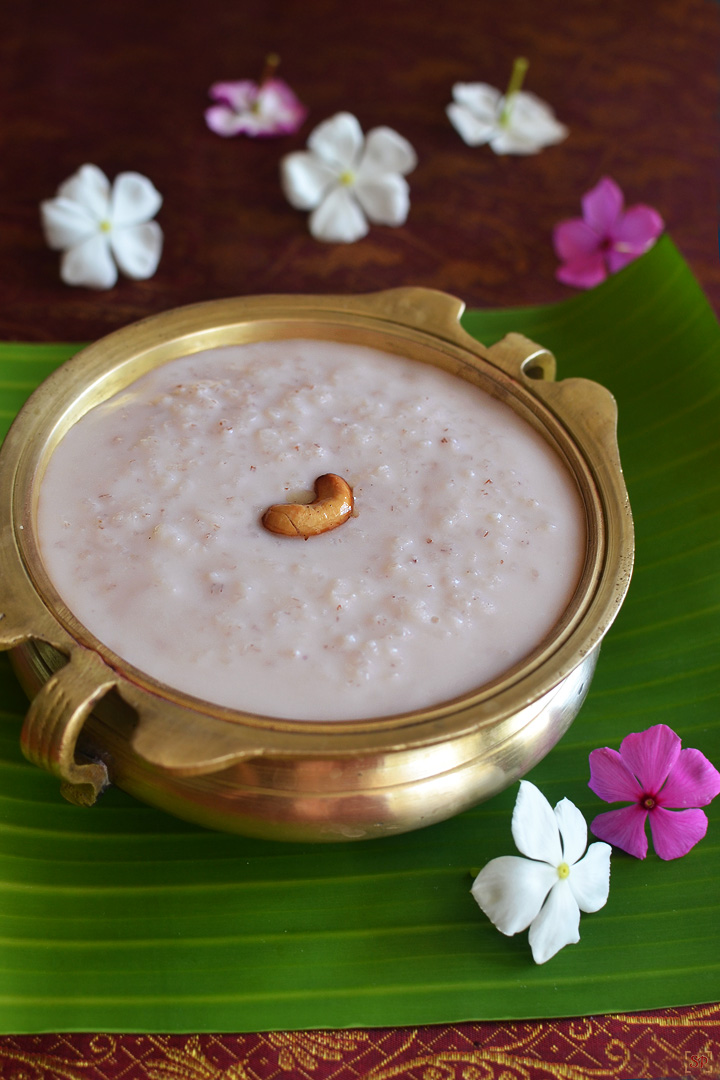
{"x":124,"y":84}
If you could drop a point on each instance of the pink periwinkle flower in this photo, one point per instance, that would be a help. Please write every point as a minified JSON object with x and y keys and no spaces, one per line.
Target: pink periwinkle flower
{"x":259,"y":109}
{"x":606,"y":238}
{"x":661,"y":782}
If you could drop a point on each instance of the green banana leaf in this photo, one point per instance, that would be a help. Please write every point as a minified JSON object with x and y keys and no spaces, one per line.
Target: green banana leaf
{"x":120,"y":918}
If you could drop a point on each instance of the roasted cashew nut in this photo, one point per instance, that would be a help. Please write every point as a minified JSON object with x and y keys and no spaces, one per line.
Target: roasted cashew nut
{"x":332,"y":506}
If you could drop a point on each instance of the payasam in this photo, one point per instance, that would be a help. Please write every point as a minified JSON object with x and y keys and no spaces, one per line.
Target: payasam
{"x":464,"y":547}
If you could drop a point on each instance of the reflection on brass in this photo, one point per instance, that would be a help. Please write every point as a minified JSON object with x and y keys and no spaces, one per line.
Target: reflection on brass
{"x":332,"y":506}
{"x":94,"y":717}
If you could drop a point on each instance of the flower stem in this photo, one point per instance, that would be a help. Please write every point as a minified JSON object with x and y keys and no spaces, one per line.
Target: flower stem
{"x":272,"y":63}
{"x":517,"y":77}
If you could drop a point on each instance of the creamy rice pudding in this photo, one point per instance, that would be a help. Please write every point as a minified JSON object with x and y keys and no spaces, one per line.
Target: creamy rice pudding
{"x":465,"y":545}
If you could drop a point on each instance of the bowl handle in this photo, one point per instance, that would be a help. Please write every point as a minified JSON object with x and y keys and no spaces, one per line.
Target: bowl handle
{"x":55,"y":719}
{"x":518,"y":356}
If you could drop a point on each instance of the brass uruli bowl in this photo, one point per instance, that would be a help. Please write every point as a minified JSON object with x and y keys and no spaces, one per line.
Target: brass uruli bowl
{"x":94,"y":719}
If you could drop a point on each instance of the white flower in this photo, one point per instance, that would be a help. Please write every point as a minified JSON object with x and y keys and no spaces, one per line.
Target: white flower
{"x":548,"y":890}
{"x":513,"y":123}
{"x":347,"y":180}
{"x":97,"y":227}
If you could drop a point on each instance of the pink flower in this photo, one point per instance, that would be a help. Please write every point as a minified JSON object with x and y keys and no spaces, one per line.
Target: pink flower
{"x":657,"y":778}
{"x":260,"y":109}
{"x":606,"y":238}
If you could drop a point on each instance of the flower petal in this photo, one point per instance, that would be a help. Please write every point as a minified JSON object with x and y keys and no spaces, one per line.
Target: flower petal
{"x":638,"y":228}
{"x":511,"y":141}
{"x":635,"y":234}
{"x":137,"y":249}
{"x":305,"y":179}
{"x":675,"y":832}
{"x":386,"y":152}
{"x":90,"y":187}
{"x":66,"y":223}
{"x":511,"y":891}
{"x":574,"y":239}
{"x":610,"y":777}
{"x":239,"y":95}
{"x":338,"y":141}
{"x":584,"y":272}
{"x":602,"y":206}
{"x":692,"y":781}
{"x":651,"y":755}
{"x":573,"y":831}
{"x":624,"y":828}
{"x":532,"y":122}
{"x":590,"y":878}
{"x":473,"y":130}
{"x":480,"y":99}
{"x":534,"y":826}
{"x":280,"y":110}
{"x":338,"y":219}
{"x":385,"y":199}
{"x":89,"y":264}
{"x":557,"y":925}
{"x":225,"y":121}
{"x":134,"y":200}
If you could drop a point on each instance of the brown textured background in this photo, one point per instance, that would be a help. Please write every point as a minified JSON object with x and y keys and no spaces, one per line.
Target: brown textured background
{"x":123,"y":84}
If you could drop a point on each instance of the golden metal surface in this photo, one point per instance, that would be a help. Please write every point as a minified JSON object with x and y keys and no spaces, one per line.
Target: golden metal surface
{"x":95,"y":717}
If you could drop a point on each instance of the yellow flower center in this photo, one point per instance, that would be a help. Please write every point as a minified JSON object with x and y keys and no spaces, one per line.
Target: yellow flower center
{"x":105,"y":226}
{"x":347,"y":178}
{"x":563,"y":870}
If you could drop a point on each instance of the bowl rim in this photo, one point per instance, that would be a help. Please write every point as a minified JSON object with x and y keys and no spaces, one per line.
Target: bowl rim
{"x":578,"y":417}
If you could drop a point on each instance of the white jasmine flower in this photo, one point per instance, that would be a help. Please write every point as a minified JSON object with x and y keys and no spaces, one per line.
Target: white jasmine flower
{"x":347,"y":180}
{"x":515,"y":122}
{"x":99,"y":229}
{"x":547,"y":890}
